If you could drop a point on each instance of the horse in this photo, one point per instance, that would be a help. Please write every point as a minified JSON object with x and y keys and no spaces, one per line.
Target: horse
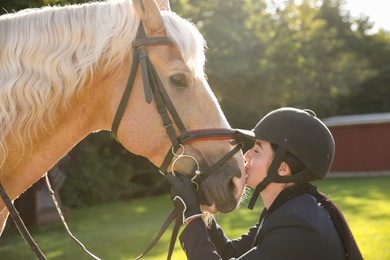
{"x":63,"y":71}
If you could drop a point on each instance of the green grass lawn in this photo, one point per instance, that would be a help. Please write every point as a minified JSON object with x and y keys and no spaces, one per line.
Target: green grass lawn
{"x":123,"y":230}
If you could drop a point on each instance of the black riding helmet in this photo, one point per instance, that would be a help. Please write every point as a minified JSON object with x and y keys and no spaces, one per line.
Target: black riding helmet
{"x":301,"y":133}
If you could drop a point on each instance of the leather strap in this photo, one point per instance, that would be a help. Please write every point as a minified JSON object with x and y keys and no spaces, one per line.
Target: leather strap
{"x":20,"y":225}
{"x":201,"y":177}
{"x":52,"y":194}
{"x":198,"y":135}
{"x":272,"y":171}
{"x":139,"y":57}
{"x":175,"y":232}
{"x":173,"y":215}
{"x":125,"y":97}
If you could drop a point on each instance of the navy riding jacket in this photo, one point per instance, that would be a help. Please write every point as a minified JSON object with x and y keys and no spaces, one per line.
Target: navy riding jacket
{"x":294,"y":227}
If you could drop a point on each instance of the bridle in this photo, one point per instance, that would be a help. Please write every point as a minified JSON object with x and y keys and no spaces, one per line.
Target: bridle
{"x":153,"y":88}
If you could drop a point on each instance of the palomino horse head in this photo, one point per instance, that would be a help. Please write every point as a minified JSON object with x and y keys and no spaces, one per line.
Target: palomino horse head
{"x":65,"y":76}
{"x":180,"y":69}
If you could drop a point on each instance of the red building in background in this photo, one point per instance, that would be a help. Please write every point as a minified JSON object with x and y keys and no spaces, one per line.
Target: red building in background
{"x":362,"y":144}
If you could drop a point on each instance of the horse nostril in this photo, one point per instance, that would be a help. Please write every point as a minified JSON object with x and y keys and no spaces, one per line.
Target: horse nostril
{"x":232,"y":186}
{"x":234,"y":190}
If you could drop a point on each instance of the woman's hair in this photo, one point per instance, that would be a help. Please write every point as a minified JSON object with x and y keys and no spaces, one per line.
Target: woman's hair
{"x":351,"y":249}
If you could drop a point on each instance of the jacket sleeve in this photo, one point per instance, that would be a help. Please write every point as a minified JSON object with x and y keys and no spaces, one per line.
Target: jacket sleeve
{"x":196,"y":243}
{"x":227,"y":248}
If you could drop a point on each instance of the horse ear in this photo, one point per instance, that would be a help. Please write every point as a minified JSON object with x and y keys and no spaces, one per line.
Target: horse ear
{"x":149,"y":11}
{"x":164,"y":5}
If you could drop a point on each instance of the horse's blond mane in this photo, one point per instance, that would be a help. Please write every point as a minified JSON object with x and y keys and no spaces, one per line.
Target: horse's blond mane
{"x":47,"y":54}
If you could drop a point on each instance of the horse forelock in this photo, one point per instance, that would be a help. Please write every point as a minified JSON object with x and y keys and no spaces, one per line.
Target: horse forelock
{"x":191,"y":45}
{"x":188,"y":40}
{"x":48,"y":54}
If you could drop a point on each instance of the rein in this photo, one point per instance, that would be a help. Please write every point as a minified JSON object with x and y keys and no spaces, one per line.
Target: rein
{"x":153,"y":88}
{"x":19,"y":224}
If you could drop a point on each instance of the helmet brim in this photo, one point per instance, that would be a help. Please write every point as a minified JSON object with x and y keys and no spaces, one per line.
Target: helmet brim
{"x":247,"y":133}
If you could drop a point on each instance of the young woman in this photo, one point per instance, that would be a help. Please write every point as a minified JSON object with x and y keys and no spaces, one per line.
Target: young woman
{"x":292,"y":148}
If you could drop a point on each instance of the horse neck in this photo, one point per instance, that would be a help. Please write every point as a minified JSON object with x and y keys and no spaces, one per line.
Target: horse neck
{"x":26,"y":164}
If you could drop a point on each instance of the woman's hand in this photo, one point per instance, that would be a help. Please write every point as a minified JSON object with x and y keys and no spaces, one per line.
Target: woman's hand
{"x":184,"y":197}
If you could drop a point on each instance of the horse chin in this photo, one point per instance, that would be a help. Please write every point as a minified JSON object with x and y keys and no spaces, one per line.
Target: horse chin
{"x":212,"y":209}
{"x":222,"y":190}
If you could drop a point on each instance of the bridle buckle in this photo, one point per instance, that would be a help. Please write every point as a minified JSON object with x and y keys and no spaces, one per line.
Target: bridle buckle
{"x":180,"y":155}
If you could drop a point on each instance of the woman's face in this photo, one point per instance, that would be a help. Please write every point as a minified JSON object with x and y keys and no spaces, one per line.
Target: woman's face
{"x":258,"y":160}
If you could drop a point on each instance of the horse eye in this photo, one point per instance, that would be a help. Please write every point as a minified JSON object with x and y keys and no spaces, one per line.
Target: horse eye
{"x":179,"y":80}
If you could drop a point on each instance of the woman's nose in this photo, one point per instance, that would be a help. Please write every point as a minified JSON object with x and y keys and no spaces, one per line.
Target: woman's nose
{"x":246,"y":156}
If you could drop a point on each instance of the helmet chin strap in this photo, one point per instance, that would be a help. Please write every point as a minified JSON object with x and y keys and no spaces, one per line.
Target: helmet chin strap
{"x":271,"y":175}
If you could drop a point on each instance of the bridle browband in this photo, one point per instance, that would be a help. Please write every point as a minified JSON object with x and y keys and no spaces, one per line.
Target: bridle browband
{"x":153,"y":88}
